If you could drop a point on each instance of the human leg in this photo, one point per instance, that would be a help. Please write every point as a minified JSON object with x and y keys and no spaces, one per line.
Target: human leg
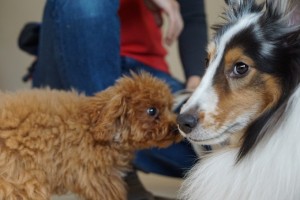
{"x":129,"y":64}
{"x":79,"y":45}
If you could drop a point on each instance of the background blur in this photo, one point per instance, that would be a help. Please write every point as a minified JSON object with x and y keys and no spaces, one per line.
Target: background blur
{"x":14,"y":62}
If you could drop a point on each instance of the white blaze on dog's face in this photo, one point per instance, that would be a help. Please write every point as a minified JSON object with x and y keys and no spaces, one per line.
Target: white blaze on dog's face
{"x":233,"y":92}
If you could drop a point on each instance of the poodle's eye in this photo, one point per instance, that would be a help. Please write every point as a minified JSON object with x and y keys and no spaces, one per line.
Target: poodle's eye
{"x":240,"y":70}
{"x":152,"y":111}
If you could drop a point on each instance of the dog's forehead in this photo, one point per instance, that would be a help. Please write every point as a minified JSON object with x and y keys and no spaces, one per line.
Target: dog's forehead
{"x":156,"y":95}
{"x":206,"y":94}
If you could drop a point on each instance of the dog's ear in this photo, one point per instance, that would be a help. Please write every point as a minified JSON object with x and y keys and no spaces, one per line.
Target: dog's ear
{"x":238,"y":8}
{"x":288,"y":14}
{"x":287,"y":10}
{"x":233,"y":2}
{"x":238,"y":4}
{"x":105,"y":112}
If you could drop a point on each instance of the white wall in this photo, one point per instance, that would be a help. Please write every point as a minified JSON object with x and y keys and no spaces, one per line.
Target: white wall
{"x":13,"y":62}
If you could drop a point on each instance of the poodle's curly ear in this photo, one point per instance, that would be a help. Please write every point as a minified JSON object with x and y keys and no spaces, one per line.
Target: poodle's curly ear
{"x":105,"y":111}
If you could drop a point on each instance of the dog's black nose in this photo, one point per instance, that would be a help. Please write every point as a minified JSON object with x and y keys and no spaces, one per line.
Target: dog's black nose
{"x":187,"y":122}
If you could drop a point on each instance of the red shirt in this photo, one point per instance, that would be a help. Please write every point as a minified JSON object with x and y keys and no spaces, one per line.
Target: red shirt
{"x":141,"y":38}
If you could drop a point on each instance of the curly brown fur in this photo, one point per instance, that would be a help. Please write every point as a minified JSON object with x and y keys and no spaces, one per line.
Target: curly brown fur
{"x":53,"y":141}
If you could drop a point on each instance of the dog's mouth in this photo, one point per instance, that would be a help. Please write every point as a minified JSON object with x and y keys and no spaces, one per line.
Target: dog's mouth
{"x":173,"y":136}
{"x":210,"y":141}
{"x":222,"y":137}
{"x":174,"y":130}
{"x":160,"y":138}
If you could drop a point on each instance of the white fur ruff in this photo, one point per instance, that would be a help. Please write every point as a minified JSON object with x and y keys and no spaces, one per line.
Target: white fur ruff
{"x":270,"y":172}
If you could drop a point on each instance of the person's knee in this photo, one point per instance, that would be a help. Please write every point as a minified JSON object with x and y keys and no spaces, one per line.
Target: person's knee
{"x":83,"y":9}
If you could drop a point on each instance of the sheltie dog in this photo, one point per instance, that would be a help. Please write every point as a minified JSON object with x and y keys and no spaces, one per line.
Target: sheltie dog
{"x":249,"y":99}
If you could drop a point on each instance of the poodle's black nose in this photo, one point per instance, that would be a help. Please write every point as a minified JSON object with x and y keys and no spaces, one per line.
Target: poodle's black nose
{"x":187,"y":122}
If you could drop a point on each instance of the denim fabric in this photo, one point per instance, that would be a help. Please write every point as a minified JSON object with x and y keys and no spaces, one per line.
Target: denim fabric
{"x":129,"y":64}
{"x":173,"y":161}
{"x":79,"y":45}
{"x":79,"y":48}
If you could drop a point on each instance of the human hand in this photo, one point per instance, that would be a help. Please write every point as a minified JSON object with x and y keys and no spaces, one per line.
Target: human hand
{"x":172,"y":9}
{"x":193,"y":82}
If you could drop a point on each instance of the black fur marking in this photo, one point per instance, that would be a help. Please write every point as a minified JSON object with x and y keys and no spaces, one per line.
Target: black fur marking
{"x":284,"y":63}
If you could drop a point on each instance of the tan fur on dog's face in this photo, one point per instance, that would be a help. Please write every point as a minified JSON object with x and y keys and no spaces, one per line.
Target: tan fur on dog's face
{"x":226,"y":105}
{"x":135,"y":113}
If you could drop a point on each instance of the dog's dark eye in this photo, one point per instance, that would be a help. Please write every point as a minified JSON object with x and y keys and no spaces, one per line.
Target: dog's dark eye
{"x":152,"y":111}
{"x":240,"y":69}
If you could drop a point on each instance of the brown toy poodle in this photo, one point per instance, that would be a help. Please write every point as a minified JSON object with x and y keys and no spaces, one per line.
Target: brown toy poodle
{"x":52,"y":141}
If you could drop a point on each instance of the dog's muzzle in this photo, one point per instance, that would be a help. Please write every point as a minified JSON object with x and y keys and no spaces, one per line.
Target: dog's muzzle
{"x":187,"y":122}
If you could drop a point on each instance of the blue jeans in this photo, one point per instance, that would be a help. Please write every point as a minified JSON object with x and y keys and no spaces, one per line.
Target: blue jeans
{"x":79,"y":48}
{"x":79,"y":45}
